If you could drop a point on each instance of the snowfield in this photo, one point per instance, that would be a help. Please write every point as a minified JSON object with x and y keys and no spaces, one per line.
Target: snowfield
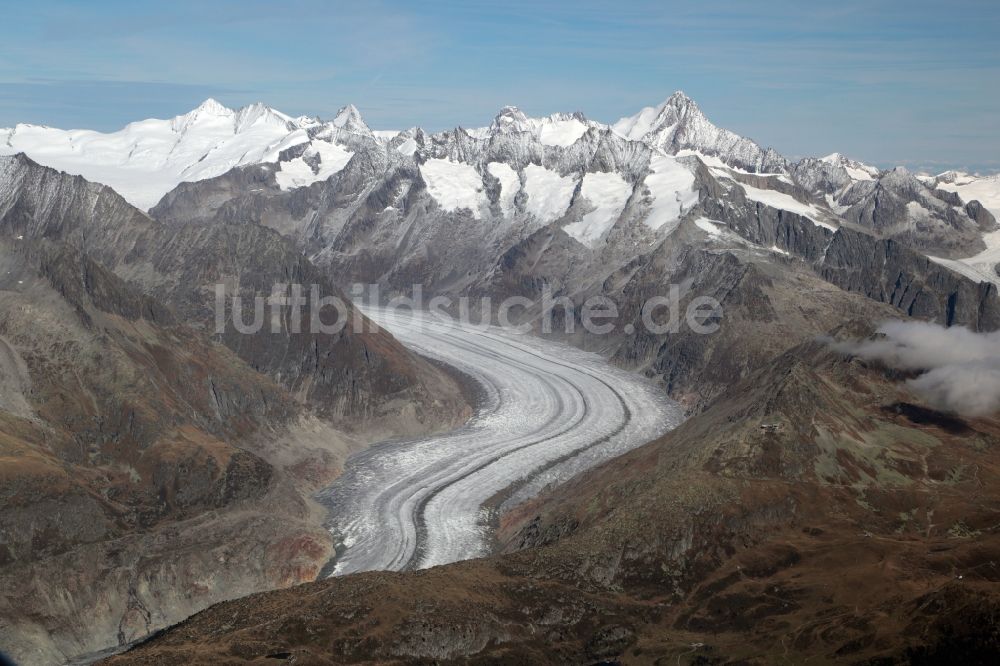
{"x":549,"y":194}
{"x":671,"y":184}
{"x":297,"y":172}
{"x":454,"y":185}
{"x":985,"y":189}
{"x":147,"y":159}
{"x":549,"y":411}
{"x":560,"y":132}
{"x":607,"y":193}
{"x":783,"y":201}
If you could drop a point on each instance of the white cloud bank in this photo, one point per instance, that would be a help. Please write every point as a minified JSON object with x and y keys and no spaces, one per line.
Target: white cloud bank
{"x":961,"y":367}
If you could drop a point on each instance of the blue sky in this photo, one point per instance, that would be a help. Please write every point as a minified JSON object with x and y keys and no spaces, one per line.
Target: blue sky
{"x":915,"y":83}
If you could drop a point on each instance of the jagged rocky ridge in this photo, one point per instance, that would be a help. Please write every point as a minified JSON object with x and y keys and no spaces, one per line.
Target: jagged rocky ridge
{"x":444,"y":217}
{"x":212,"y":139}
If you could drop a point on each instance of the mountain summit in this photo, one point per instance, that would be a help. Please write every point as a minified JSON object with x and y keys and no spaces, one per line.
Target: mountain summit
{"x":510,"y":119}
{"x":349,"y":119}
{"x":678,"y":124}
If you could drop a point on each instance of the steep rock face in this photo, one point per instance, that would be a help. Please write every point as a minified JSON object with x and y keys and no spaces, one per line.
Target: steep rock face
{"x":37,"y":202}
{"x":358,"y":375}
{"x":899,"y":206}
{"x":149,"y":470}
{"x":131,"y":426}
{"x":788,"y":521}
{"x":356,"y":379}
{"x":981,"y":215}
{"x":888,"y":271}
{"x":884,"y":270}
{"x":830,"y":174}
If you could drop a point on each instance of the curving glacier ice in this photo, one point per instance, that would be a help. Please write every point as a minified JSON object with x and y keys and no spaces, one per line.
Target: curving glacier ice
{"x":548,"y":411}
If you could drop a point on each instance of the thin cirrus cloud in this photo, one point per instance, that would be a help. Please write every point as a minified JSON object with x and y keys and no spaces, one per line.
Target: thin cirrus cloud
{"x":884,"y":82}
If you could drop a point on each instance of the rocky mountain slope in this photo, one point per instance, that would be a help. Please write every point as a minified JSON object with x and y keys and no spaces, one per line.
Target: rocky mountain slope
{"x":126,"y":426}
{"x":816,"y":511}
{"x":151,"y":467}
{"x":353,"y":376}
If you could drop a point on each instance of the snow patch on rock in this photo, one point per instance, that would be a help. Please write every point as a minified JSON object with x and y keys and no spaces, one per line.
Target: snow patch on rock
{"x":510,"y":185}
{"x":708,"y":226}
{"x":608,"y":193}
{"x":549,"y":194}
{"x":454,"y":185}
{"x":332,"y":158}
{"x":671,"y":185}
{"x":783,"y":201}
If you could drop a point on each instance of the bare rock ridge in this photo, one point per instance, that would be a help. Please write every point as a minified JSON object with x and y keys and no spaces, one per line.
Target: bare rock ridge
{"x":302,"y":152}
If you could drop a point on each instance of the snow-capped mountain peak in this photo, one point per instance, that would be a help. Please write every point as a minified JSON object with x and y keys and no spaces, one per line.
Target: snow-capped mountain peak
{"x":678,"y":124}
{"x":558,"y":129}
{"x":855,"y":169}
{"x":349,"y":119}
{"x":258,"y":113}
{"x":146,"y":159}
{"x":510,"y":119}
{"x":654,"y":119}
{"x":212,"y":106}
{"x":208,"y":111}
